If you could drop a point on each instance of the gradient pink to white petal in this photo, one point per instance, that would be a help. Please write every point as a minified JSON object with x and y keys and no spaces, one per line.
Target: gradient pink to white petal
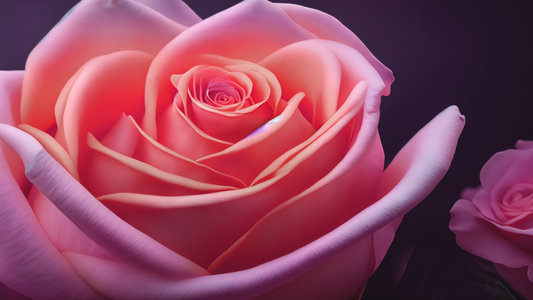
{"x":119,"y":208}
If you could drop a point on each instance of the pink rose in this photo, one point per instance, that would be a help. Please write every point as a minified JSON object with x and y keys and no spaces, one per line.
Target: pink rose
{"x":230,"y":158}
{"x":495,"y":220}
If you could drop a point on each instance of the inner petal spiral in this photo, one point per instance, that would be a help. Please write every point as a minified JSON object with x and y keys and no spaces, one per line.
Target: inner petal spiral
{"x":222,"y":91}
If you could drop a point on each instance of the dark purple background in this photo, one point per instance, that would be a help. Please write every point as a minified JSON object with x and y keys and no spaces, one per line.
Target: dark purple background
{"x":475,"y":54}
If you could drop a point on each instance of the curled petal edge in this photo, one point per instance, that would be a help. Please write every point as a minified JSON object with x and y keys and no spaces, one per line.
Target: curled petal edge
{"x":411,"y":176}
{"x":92,"y":217}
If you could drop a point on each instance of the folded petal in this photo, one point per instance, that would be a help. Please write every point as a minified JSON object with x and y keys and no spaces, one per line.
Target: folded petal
{"x":312,"y":68}
{"x":327,"y":27}
{"x":178,"y":133}
{"x":107,"y":87}
{"x":29,"y":263}
{"x":247,"y":158}
{"x":111,"y":172}
{"x":91,"y":29}
{"x":89,"y":215}
{"x":10,"y":91}
{"x":480,"y":237}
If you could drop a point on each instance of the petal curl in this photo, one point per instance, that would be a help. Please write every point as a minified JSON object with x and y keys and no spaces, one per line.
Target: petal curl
{"x":10,"y":91}
{"x":247,"y":158}
{"x":96,"y":221}
{"x":29,"y":263}
{"x":114,"y":82}
{"x":93,"y":28}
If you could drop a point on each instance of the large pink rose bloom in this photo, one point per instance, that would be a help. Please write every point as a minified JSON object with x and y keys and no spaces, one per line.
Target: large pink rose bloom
{"x":495,"y":220}
{"x":149,"y":154}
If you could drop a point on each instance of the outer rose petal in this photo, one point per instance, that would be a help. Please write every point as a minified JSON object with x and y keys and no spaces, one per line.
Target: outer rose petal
{"x":114,"y":82}
{"x":89,"y":215}
{"x":29,"y":263}
{"x":10,"y":89}
{"x":176,"y":10}
{"x":414,"y":172}
{"x":95,"y":27}
{"x":327,"y":27}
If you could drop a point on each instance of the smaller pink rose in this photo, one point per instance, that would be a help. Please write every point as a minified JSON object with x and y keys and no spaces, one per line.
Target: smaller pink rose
{"x":495,"y":220}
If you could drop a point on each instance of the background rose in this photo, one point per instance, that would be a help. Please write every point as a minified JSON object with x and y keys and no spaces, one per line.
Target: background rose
{"x":129,"y":65}
{"x":495,"y":221}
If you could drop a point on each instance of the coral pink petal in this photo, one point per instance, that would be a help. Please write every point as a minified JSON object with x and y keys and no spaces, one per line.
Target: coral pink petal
{"x":353,"y":183}
{"x":327,"y":27}
{"x":343,"y":128}
{"x":250,"y":30}
{"x":159,"y":156}
{"x":176,"y":10}
{"x":114,"y":82}
{"x":178,"y":133}
{"x":312,"y":68}
{"x":93,"y":28}
{"x":411,"y":176}
{"x":111,"y":172}
{"x":29,"y":263}
{"x":10,"y":90}
{"x":247,"y":158}
{"x":89,"y":215}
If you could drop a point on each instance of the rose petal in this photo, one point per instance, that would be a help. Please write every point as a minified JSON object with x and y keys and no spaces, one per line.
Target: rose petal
{"x":177,"y":132}
{"x":308,"y":67}
{"x":159,"y":156}
{"x":312,"y":214}
{"x":176,"y":10}
{"x":10,"y":89}
{"x":114,"y":81}
{"x":480,"y":237}
{"x":408,"y":179}
{"x":54,"y":148}
{"x":326,"y":27}
{"x":29,"y":263}
{"x":93,"y":28}
{"x":111,"y":172}
{"x":250,"y":30}
{"x":341,"y":277}
{"x":96,"y":221}
{"x":247,"y":158}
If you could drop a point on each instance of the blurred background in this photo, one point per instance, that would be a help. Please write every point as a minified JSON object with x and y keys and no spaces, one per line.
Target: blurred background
{"x":476,"y":54}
